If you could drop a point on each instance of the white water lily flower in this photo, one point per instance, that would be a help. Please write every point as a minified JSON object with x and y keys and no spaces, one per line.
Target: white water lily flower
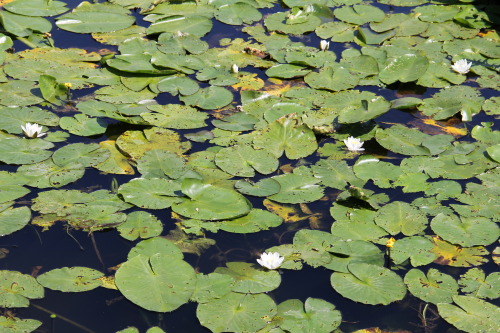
{"x":235,"y":69}
{"x":324,"y":45}
{"x":354,"y":144}
{"x":461,"y":66}
{"x":271,"y":260}
{"x":32,"y":130}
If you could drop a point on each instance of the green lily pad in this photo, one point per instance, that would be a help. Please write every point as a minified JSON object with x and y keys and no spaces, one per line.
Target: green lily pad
{"x":158,"y":283}
{"x":212,"y":286}
{"x":17,"y":288}
{"x":82,"y":125}
{"x":36,"y":7}
{"x":354,"y":251}
{"x":140,"y":225}
{"x":409,"y":141}
{"x":287,"y":135}
{"x":13,"y":324}
{"x":465,"y":231}
{"x":11,"y":186}
{"x":19,"y":93}
{"x":332,"y":77}
{"x":295,"y":22}
{"x":398,"y":216}
{"x":243,"y":161}
{"x":262,"y":188}
{"x":405,"y":68}
{"x":194,"y":25}
{"x":436,"y":13}
{"x":475,"y":283}
{"x":335,"y":174}
{"x":96,"y":17}
{"x":354,"y":106}
{"x":359,"y":14}
{"x":156,"y":245}
{"x":159,"y":163}
{"x":369,"y":284}
{"x":249,"y":278}
{"x":175,"y":116}
{"x":295,"y":188}
{"x":23,"y":26}
{"x":471,"y":314}
{"x":180,"y":43}
{"x":71,"y":279}
{"x":287,"y":71}
{"x":255,"y":220}
{"x":16,"y":150}
{"x":209,"y":202}
{"x":15,"y":117}
{"x":13,"y":219}
{"x":137,"y":143}
{"x":382,"y":173}
{"x":239,"y":121}
{"x":416,"y":248}
{"x":174,"y":85}
{"x":435,"y":287}
{"x":237,"y":13}
{"x":453,"y":100}
{"x":315,"y":315}
{"x":209,"y":98}
{"x":236,"y":312}
{"x":152,"y":193}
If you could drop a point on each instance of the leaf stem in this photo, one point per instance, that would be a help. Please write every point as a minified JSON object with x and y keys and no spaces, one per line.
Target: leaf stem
{"x":74,"y":323}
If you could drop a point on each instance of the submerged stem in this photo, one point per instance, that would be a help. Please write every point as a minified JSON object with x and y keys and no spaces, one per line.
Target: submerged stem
{"x":27,"y":42}
{"x":74,"y":323}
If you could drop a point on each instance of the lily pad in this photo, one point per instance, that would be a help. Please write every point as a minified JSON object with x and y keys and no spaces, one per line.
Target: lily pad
{"x":209,"y":202}
{"x":236,"y":312}
{"x":237,"y":13}
{"x":36,"y":7}
{"x":296,"y":188}
{"x":212,"y":286}
{"x":287,"y":135}
{"x":17,"y":289}
{"x":140,"y":225}
{"x":435,"y":287}
{"x":471,"y":314}
{"x":262,"y":188}
{"x":416,"y":248}
{"x":13,"y":324}
{"x":398,"y":216}
{"x":152,"y":193}
{"x":156,"y":245}
{"x":82,"y":125}
{"x":475,"y":283}
{"x":454,"y":255}
{"x":13,"y":219}
{"x":194,"y":25}
{"x":369,"y":284}
{"x":243,"y":161}
{"x":255,"y":220}
{"x":315,"y":315}
{"x":249,"y":278}
{"x":209,"y":98}
{"x":158,"y":283}
{"x":71,"y":279}
{"x":16,"y":150}
{"x":405,"y":68}
{"x":465,"y":231}
{"x":96,"y":17}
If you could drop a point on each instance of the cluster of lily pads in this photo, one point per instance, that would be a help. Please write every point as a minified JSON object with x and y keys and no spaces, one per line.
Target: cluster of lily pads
{"x":255,"y":131}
